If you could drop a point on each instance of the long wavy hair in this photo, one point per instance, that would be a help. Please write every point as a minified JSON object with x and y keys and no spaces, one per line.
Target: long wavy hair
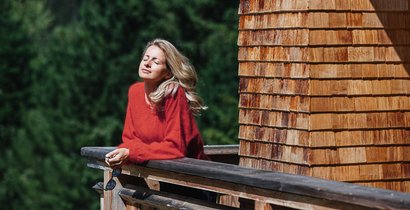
{"x":183,"y":74}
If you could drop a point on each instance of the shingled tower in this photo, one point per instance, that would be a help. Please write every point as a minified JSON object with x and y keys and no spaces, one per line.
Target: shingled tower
{"x":325,"y":89}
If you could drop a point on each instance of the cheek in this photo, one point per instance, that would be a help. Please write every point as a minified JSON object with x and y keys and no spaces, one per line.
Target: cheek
{"x":141,"y":65}
{"x":160,"y":70}
{"x":140,"y":74}
{"x":165,"y":73}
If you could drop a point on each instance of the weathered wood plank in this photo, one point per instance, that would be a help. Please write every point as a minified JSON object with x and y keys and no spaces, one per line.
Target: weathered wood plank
{"x":223,"y":153}
{"x":221,"y":149}
{"x":235,"y":177}
{"x":162,"y":200}
{"x":238,"y":190}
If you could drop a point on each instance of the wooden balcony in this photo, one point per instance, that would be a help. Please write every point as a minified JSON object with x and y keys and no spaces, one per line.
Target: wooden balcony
{"x":138,"y":186}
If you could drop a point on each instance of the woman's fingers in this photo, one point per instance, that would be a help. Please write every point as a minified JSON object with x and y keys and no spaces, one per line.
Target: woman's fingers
{"x":116,"y":157}
{"x":112,"y":154}
{"x":109,"y":157}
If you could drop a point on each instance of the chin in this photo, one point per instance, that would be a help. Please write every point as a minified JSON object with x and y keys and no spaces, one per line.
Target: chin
{"x":143,"y":76}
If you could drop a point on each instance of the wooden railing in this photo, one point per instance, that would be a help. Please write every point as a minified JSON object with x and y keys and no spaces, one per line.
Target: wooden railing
{"x":138,"y":187}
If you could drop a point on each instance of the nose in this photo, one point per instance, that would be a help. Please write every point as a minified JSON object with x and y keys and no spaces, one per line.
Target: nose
{"x":147,"y":63}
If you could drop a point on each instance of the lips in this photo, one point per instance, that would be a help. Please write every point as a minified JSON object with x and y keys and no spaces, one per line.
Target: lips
{"x":145,"y":71}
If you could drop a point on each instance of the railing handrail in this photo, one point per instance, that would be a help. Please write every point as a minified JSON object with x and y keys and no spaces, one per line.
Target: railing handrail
{"x":289,"y":184}
{"x":222,"y":149}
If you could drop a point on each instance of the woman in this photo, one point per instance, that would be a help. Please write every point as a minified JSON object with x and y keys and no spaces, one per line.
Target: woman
{"x":159,"y":123}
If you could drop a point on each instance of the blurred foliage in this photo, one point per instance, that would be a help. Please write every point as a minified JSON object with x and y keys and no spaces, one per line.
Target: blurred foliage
{"x":65,"y":68}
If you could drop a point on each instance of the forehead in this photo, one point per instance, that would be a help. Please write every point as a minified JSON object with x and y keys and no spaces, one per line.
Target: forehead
{"x":154,"y":51}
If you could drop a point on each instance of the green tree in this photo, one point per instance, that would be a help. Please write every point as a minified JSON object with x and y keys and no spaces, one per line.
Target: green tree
{"x":219,"y":78}
{"x":23,"y":26}
{"x":64,"y":82}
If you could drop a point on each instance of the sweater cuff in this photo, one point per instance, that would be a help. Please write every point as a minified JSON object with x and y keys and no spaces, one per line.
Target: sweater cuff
{"x":133,"y":154}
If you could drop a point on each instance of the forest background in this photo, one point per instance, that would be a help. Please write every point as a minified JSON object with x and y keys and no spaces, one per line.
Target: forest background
{"x":65,"y":68}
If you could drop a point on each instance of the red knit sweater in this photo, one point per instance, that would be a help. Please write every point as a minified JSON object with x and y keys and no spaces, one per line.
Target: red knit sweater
{"x":155,"y":135}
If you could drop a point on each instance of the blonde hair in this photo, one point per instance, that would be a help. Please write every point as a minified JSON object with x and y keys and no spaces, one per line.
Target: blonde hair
{"x":183,"y":74}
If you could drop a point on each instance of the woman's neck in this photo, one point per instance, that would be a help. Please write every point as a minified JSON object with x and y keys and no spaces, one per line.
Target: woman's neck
{"x":149,"y":88}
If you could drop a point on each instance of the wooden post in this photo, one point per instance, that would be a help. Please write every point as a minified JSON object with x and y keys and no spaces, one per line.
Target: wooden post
{"x":111,"y":199}
{"x":228,"y":200}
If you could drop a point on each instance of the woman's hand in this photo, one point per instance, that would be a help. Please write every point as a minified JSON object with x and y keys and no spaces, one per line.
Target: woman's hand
{"x":117,"y":157}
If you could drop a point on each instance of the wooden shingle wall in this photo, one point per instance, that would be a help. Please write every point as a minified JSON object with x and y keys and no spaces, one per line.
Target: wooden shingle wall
{"x":325,"y":89}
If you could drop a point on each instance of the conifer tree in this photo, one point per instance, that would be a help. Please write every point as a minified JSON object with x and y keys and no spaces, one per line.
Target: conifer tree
{"x":65,"y":69}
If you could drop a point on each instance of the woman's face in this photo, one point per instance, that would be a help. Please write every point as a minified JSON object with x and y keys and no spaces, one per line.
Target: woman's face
{"x":153,"y":67}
